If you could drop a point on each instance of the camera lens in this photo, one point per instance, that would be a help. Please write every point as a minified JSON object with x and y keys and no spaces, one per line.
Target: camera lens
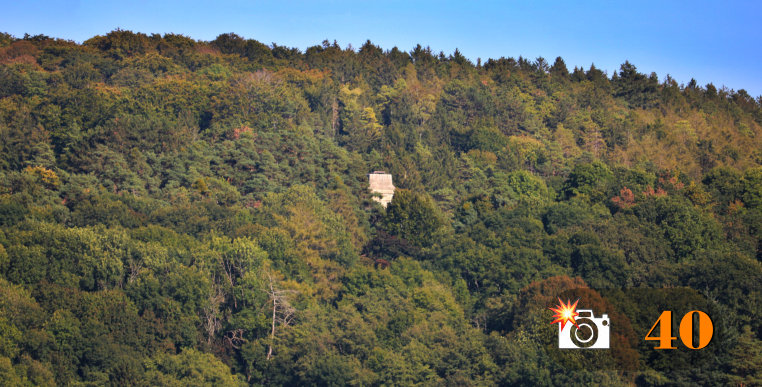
{"x":586,"y":335}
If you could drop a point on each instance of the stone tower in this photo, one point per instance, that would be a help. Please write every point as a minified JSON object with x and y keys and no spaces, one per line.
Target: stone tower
{"x":381,"y":183}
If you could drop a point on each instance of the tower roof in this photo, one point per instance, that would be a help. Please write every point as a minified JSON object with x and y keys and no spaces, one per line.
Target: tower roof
{"x":381,"y":182}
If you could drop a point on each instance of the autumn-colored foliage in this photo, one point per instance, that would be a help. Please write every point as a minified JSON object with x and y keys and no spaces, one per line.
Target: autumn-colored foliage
{"x":181,"y":212}
{"x":625,"y":199}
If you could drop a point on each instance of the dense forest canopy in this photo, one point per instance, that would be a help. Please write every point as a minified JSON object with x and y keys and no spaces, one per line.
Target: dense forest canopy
{"x":181,"y":212}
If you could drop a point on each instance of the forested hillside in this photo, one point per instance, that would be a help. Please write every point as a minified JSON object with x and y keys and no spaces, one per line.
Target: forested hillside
{"x":178,"y":212}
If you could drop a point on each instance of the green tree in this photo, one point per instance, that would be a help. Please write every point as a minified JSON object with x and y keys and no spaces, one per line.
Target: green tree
{"x":414,"y":217}
{"x":588,"y":179}
{"x":746,"y":366}
{"x":190,"y":368}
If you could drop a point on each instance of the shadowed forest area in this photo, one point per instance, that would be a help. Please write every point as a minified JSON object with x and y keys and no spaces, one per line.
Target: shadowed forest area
{"x":179,"y":212}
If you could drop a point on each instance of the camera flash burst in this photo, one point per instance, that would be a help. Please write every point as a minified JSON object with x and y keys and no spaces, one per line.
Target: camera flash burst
{"x":565,"y":313}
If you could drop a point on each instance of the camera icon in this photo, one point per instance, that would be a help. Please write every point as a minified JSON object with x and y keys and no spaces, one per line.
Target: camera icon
{"x":590,"y":333}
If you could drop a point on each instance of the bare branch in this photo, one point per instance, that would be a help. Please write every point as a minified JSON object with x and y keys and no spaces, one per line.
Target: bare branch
{"x":282,"y":311}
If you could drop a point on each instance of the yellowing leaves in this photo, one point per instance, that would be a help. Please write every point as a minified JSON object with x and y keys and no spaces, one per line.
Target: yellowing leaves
{"x":527,"y":150}
{"x":565,"y":139}
{"x":482,"y":157}
{"x":47,"y":177}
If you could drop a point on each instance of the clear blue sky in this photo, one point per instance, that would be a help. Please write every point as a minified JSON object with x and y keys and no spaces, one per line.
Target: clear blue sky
{"x":712,"y":41}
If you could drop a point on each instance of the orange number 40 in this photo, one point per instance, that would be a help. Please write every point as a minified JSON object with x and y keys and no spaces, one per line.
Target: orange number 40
{"x":665,"y":338}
